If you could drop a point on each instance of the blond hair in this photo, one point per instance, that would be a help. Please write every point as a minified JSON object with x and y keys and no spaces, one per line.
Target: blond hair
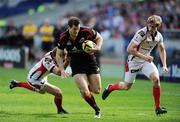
{"x":155,"y":19}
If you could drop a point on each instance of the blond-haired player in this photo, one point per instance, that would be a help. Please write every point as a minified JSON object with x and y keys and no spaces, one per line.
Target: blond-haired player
{"x":140,"y":60}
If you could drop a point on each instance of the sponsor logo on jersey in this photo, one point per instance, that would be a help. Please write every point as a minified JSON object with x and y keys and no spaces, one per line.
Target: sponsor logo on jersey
{"x":69,"y":43}
{"x":74,"y":48}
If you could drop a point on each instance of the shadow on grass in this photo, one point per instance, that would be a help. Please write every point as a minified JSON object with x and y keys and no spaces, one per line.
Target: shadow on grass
{"x":6,"y":114}
{"x":42,"y":115}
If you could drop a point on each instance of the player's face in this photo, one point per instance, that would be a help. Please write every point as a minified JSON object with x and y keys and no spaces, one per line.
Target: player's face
{"x":153,"y":27}
{"x":74,"y":30}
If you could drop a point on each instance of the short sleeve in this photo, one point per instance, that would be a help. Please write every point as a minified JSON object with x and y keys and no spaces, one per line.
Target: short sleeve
{"x":48,"y":63}
{"x":160,"y":37}
{"x":89,"y":33}
{"x":138,"y":37}
{"x":61,"y":44}
{"x":94,"y":33}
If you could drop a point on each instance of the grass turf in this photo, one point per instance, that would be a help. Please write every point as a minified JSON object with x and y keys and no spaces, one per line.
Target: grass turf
{"x":136,"y":105}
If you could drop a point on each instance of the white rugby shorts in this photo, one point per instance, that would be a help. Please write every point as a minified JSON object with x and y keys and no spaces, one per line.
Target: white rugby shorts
{"x":133,"y":68}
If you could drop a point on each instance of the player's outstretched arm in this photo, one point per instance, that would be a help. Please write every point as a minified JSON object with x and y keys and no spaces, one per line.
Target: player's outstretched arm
{"x":66,"y":62}
{"x":57,"y":71}
{"x":59,"y":60}
{"x":162,"y":53}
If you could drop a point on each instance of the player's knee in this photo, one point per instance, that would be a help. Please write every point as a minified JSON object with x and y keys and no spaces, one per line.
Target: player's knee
{"x":42,"y":91}
{"x":156,"y":83}
{"x":155,"y":80}
{"x":58,"y":95}
{"x":97,"y":91}
{"x":127,"y":86}
{"x":84,"y":92}
{"x":58,"y":92}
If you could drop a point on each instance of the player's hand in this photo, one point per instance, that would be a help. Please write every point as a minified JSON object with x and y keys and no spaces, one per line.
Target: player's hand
{"x":64,"y":74}
{"x":165,"y":69}
{"x":149,"y":58}
{"x":90,"y":51}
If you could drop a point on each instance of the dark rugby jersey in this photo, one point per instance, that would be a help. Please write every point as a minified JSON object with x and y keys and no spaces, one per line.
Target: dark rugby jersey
{"x":74,"y":47}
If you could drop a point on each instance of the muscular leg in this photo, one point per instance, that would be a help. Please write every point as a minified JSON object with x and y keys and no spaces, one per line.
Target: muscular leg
{"x":82,"y":84}
{"x":157,"y":93}
{"x":120,"y":86}
{"x":154,"y":77}
{"x":126,"y":85}
{"x":129,"y":79}
{"x":25,"y":85}
{"x":151,"y":71}
{"x":49,"y":88}
{"x":95,"y":83}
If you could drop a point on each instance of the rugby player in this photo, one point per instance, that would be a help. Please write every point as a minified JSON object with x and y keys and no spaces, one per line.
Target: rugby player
{"x":37,"y":79}
{"x":140,"y":60}
{"x":85,"y":70}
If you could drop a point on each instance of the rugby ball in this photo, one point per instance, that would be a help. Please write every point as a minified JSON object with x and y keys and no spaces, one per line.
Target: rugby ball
{"x":88,"y":44}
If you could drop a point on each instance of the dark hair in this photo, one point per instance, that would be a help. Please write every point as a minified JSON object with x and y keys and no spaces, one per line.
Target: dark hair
{"x":73,"y":21}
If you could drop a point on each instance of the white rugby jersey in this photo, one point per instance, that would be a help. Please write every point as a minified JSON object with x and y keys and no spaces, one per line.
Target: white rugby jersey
{"x":42,"y":68}
{"x":145,"y":43}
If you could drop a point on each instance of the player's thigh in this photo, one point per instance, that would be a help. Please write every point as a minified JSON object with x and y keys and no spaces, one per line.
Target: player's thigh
{"x":52,"y":89}
{"x":81,"y":82}
{"x":95,"y":82}
{"x":150,"y":71}
{"x":38,"y":85}
{"x":130,"y":77}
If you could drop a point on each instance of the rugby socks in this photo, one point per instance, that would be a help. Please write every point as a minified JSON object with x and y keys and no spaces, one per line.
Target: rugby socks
{"x":115,"y":86}
{"x":91,"y":101}
{"x":156,"y":94}
{"x":58,"y":103}
{"x":25,"y":85}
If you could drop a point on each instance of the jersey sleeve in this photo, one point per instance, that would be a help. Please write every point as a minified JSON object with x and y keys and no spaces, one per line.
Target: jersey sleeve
{"x":48,"y":63}
{"x":90,"y":33}
{"x":94,"y":33}
{"x":138,"y":37}
{"x":61,"y":42}
{"x":160,"y":38}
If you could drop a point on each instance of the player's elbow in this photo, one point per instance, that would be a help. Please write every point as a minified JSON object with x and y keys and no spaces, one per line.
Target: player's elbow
{"x":98,"y":91}
{"x":129,"y":50}
{"x":57,"y":71}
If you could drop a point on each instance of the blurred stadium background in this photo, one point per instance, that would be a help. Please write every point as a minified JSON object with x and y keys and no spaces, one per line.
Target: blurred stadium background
{"x":21,"y":21}
{"x":116,"y":20}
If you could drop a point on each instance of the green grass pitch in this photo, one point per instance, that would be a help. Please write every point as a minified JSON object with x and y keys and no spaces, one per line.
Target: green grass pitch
{"x":136,"y":105}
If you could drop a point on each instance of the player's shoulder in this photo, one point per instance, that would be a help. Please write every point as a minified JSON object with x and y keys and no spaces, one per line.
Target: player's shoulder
{"x":86,"y":29}
{"x":47,"y":59}
{"x":142,"y":32}
{"x":159,"y":36}
{"x":64,"y":34}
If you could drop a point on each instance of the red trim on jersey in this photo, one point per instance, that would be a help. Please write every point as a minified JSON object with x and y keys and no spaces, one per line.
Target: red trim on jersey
{"x":62,"y":35}
{"x":89,"y":37}
{"x":89,"y":31}
{"x":126,"y":67}
{"x":86,"y":29}
{"x":42,"y":69}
